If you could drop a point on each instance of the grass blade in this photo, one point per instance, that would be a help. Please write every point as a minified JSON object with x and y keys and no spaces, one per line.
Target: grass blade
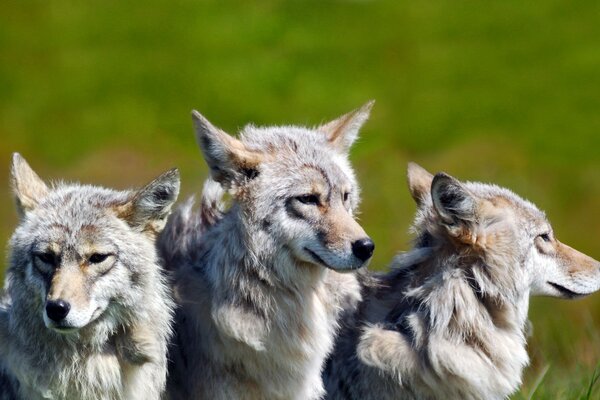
{"x":538,"y":381}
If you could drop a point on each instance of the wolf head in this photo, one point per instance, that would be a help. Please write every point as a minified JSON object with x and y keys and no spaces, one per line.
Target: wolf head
{"x":296,"y":184}
{"x":511,"y":238}
{"x":80,"y":252}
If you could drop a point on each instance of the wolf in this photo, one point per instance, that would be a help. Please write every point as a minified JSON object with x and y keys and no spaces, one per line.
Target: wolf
{"x":260,"y":285}
{"x":87,"y":312}
{"x":450,"y":319}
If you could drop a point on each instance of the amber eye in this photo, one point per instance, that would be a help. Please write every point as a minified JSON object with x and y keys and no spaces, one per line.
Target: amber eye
{"x":46,"y":258}
{"x":545,"y":237}
{"x":97,"y":258}
{"x":310,"y":199}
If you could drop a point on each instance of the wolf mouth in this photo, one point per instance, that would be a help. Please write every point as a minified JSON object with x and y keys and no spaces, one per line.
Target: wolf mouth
{"x":564,"y":291}
{"x":316,"y":257}
{"x":319,"y":260}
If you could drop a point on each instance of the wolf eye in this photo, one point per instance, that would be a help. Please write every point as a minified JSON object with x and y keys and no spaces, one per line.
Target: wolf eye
{"x":97,"y":258}
{"x":545,"y":237}
{"x":311,"y":199}
{"x":46,"y":257}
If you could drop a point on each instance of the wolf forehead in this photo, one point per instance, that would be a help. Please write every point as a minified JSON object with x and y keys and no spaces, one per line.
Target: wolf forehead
{"x":502,"y":197}
{"x":76,"y":206}
{"x":293,"y":146}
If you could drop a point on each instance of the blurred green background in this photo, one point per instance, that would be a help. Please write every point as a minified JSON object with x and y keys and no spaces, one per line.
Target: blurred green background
{"x":507,"y":92}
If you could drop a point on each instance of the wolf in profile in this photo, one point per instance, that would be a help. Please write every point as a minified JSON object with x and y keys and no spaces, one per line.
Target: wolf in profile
{"x":449,"y":321}
{"x":86,"y":312}
{"x":260,"y":287}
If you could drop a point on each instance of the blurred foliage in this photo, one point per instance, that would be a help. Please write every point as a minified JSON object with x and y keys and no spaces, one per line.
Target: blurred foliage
{"x":507,"y":92}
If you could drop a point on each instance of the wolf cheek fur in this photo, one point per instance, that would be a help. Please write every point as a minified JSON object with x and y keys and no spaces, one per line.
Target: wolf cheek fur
{"x":87,"y":312}
{"x":258,"y":285}
{"x":449,"y":321}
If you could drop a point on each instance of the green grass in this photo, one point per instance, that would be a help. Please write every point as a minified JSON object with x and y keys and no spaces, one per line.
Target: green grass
{"x":505,"y":91}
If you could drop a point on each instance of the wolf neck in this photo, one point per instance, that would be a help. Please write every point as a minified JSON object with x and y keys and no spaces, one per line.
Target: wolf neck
{"x":459,"y":304}
{"x":450,"y":284}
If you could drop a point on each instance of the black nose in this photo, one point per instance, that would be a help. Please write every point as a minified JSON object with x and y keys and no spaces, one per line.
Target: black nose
{"x":363,"y":249}
{"x":57,"y":310}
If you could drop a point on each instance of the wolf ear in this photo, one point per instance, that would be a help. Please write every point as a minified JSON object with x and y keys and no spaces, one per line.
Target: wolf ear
{"x":419,"y":183}
{"x":452,"y":202}
{"x":150,"y":206}
{"x":27,"y":186}
{"x":343,"y":131}
{"x":228,"y":158}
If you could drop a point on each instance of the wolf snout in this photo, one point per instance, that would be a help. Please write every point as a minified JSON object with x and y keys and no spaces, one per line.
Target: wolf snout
{"x":363,"y":248}
{"x":57,"y":310}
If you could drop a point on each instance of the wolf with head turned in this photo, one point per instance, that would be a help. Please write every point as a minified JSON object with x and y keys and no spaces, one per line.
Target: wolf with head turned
{"x":260,"y":287}
{"x":87,"y":312}
{"x":449,"y":321}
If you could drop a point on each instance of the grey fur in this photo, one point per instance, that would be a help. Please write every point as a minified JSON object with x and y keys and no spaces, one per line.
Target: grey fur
{"x":258,"y":285}
{"x":450,"y":320}
{"x":112,"y":344}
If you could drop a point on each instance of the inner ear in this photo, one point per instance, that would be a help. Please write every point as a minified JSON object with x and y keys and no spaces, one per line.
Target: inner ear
{"x":229,"y":160}
{"x":452,"y":202}
{"x":343,"y":131}
{"x":149,"y":207}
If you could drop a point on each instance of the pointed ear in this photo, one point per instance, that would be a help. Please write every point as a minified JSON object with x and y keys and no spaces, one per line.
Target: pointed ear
{"x":228,"y":158}
{"x":149,"y":207}
{"x":27,"y":186}
{"x":419,"y":183}
{"x":453,"y":203}
{"x":343,"y":131}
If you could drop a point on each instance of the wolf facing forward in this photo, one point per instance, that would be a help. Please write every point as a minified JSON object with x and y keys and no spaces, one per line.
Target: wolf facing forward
{"x":259,"y":288}
{"x":449,"y":321}
{"x":86,"y":313}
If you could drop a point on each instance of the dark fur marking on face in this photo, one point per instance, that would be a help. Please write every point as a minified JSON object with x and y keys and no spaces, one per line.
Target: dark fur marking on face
{"x":293,"y":211}
{"x":325,"y":177}
{"x":46,"y":276}
{"x":322,"y":237}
